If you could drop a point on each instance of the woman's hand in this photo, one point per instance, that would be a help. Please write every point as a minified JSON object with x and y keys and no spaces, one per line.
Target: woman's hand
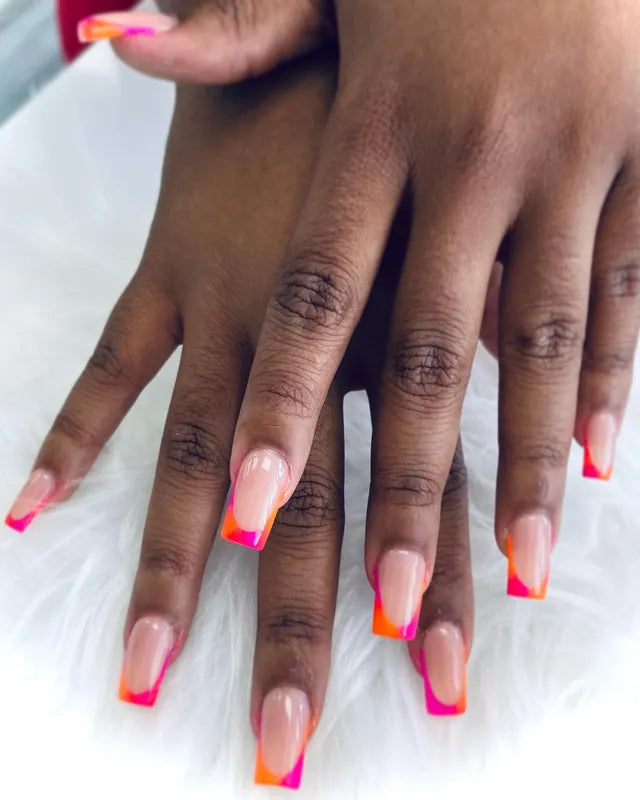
{"x":238,"y":164}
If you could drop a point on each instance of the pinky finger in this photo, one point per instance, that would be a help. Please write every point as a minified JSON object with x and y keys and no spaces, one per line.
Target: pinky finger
{"x":138,"y":338}
{"x":612,"y":331}
{"x":440,"y":650}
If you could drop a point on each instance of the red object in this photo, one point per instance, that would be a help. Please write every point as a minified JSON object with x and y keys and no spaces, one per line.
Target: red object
{"x":70,"y":12}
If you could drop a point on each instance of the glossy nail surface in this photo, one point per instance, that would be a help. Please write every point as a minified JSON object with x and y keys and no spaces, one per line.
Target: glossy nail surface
{"x":147,"y":655}
{"x":257,"y":494}
{"x":529,"y":552}
{"x":119,"y":24}
{"x":599,"y":445}
{"x":400,"y":584}
{"x":32,"y":498}
{"x":284,"y":729}
{"x":444,"y":670}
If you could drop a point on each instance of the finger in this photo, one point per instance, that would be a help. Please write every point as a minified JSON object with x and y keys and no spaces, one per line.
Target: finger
{"x":298,"y":580}
{"x":445,"y":631}
{"x":139,"y":336}
{"x":186,"y":502}
{"x":612,"y":330}
{"x":543,"y":319}
{"x":212,"y":42}
{"x":434,"y":334}
{"x":312,"y":313}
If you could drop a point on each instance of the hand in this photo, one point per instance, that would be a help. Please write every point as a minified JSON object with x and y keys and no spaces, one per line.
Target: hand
{"x":237,"y":166}
{"x":514,"y":128}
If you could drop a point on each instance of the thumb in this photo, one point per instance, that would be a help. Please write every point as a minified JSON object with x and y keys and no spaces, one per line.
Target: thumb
{"x":216,"y":43}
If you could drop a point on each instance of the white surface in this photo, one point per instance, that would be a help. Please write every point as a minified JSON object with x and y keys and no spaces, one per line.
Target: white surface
{"x":553,"y":687}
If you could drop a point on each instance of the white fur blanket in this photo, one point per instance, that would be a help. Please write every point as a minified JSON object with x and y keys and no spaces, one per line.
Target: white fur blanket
{"x":554,"y":687}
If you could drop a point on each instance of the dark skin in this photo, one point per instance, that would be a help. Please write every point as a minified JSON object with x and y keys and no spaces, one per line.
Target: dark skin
{"x":237,"y":165}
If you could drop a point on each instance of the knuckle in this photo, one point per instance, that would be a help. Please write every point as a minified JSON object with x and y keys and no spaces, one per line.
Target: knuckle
{"x":607,"y":362}
{"x":455,"y":489}
{"x":541,"y":452}
{"x":315,"y":294}
{"x":552,"y":340}
{"x":314,"y":505}
{"x":171,"y":557}
{"x":621,"y":282}
{"x":425,"y":364}
{"x":489,"y":135}
{"x":70,"y":426}
{"x":109,"y":365}
{"x":302,"y":623}
{"x":194,"y":450}
{"x":281,"y":391}
{"x":395,"y":485}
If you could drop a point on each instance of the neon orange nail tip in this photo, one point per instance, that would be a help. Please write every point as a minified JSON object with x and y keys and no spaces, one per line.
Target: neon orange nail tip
{"x":146,"y":698}
{"x":255,"y":540}
{"x":382,"y":626}
{"x":95,"y":29}
{"x":265,"y":777}
{"x":515,"y":587}
{"x":432,"y":704}
{"x":590,"y":470}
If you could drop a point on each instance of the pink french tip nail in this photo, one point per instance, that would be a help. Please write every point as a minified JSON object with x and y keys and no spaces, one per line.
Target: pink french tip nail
{"x":443,"y":661}
{"x":401,"y":579}
{"x":32,"y":498}
{"x":257,"y":494}
{"x":118,"y":24}
{"x":145,"y":661}
{"x":599,"y":446}
{"x":284,"y":730}
{"x":529,"y":552}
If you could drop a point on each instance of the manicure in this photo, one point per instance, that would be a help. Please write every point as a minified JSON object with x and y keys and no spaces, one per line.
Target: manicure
{"x":401,"y":578}
{"x":117,"y":25}
{"x":444,"y":670}
{"x":33,"y":496}
{"x":145,"y":661}
{"x":529,"y":551}
{"x":284,"y":729}
{"x":599,"y":444}
{"x":256,"y":496}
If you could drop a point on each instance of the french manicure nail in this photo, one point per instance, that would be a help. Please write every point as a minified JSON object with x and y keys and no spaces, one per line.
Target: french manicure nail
{"x":257,"y":494}
{"x":116,"y":25}
{"x":401,"y":577}
{"x":444,"y":670}
{"x":32,"y":498}
{"x":284,"y":730}
{"x":529,"y":551}
{"x":145,"y":661}
{"x":599,"y":444}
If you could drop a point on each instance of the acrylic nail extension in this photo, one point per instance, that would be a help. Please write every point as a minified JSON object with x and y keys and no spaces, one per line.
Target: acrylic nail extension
{"x":443,"y":661}
{"x":529,"y":552}
{"x":599,"y":445}
{"x":147,"y":655}
{"x":400,"y":584}
{"x":32,"y":498}
{"x":284,"y":730}
{"x":117,"y":25}
{"x":257,"y":494}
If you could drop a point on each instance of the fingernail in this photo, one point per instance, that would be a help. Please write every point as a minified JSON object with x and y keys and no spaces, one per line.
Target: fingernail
{"x":116,"y":25}
{"x":284,"y":729}
{"x":529,"y":551}
{"x":599,"y":445}
{"x":33,"y":497}
{"x":145,"y":660}
{"x":256,"y":496}
{"x":400,"y":583}
{"x":444,"y":670}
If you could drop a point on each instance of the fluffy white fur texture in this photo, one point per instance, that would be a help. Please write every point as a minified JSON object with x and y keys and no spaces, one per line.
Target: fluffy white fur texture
{"x":553,"y":687}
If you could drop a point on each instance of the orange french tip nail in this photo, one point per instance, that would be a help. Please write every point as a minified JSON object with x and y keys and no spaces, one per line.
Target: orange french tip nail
{"x":265,"y":777}
{"x":590,"y":470}
{"x":255,"y":540}
{"x":383,"y":627}
{"x":515,"y":587}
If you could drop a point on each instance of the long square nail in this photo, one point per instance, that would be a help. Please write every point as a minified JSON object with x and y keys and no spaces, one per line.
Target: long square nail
{"x":116,"y":25}
{"x":284,"y":730}
{"x":257,"y":494}
{"x":599,"y":446}
{"x":529,"y":552}
{"x":443,"y":660}
{"x":145,"y":662}
{"x":32,"y":498}
{"x":400,"y":584}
